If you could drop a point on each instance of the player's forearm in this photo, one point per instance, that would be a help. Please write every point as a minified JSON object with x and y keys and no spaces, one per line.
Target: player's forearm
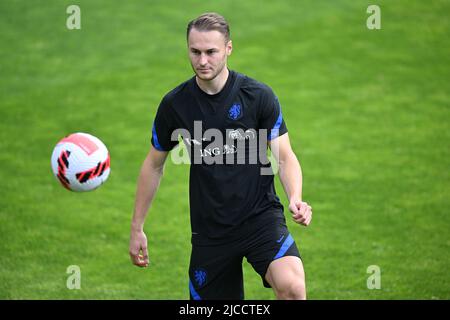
{"x":291,"y":177}
{"x":148,"y":183}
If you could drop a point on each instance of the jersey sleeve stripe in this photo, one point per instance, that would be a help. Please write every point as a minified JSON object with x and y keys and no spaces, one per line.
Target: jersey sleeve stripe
{"x":155,"y":139}
{"x":276,"y":128}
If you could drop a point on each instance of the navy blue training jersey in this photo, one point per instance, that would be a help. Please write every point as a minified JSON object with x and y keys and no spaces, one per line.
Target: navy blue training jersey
{"x":226,"y":135}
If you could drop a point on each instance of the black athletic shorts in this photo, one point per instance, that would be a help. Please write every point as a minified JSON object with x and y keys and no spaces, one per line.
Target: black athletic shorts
{"x":215,"y":271}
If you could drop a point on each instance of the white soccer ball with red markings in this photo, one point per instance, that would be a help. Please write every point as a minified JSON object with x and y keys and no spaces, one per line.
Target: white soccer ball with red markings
{"x":81,"y":162}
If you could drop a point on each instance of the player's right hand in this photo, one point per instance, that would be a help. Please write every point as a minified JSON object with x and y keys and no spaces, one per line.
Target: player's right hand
{"x":138,"y":249}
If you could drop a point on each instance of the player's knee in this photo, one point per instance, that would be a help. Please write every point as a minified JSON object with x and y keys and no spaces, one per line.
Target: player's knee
{"x":294,"y":290}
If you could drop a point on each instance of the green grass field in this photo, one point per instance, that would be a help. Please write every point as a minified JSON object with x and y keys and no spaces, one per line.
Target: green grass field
{"x":368,"y":115}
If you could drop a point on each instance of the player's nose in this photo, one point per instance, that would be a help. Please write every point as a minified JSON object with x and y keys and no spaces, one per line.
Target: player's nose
{"x":203,"y":60}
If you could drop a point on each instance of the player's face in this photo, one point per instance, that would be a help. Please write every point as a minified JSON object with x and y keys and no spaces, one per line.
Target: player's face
{"x":208,"y":53}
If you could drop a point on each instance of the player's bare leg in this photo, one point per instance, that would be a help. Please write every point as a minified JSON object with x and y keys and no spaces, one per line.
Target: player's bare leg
{"x":287,"y":278}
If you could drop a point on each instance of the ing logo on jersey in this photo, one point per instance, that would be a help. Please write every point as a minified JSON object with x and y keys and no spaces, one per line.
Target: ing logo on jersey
{"x":200,"y":277}
{"x":235,"y":111}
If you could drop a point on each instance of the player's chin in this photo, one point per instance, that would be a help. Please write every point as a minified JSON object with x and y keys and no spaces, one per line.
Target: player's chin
{"x":205,"y":75}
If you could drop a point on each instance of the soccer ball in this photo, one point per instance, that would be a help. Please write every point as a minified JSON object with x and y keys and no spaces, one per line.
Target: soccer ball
{"x":81,"y":162}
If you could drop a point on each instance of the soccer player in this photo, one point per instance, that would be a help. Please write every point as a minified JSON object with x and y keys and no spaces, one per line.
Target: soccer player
{"x":225,"y":118}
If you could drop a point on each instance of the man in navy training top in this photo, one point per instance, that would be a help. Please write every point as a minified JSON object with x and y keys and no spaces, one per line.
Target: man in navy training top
{"x":227,"y":121}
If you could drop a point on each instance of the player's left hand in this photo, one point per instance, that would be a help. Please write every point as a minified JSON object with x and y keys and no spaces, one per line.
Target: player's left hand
{"x":301,"y":212}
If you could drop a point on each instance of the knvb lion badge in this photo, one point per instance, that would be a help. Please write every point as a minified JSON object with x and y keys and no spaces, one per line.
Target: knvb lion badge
{"x":235,"y":111}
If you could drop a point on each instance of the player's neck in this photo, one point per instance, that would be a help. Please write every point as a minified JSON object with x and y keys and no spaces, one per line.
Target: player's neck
{"x":215,"y":85}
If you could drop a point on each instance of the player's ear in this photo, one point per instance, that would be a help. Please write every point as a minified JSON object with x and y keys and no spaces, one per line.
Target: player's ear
{"x":229,"y":47}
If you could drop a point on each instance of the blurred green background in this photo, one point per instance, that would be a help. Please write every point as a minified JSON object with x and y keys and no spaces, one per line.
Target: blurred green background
{"x":367,"y":110}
